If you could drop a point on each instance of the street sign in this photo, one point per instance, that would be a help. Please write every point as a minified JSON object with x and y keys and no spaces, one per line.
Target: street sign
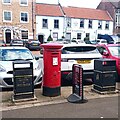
{"x":77,"y":88}
{"x":78,"y":80}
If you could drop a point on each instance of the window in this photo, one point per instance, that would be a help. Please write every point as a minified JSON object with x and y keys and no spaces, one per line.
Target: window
{"x":90,"y":24}
{"x":69,"y":22}
{"x":24,"y":17}
{"x":118,"y":17}
{"x":45,"y":23}
{"x":78,"y":35}
{"x":7,"y":16}
{"x":78,"y":49}
{"x":7,"y":1}
{"x":107,"y":25}
{"x":24,"y":2}
{"x":24,"y":34}
{"x":118,"y":10}
{"x":81,"y":23}
{"x":99,"y":24}
{"x":56,"y":23}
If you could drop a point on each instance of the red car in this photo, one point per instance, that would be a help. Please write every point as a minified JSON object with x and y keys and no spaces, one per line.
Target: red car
{"x":111,"y":51}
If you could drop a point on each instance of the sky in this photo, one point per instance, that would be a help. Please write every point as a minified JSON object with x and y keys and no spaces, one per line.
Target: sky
{"x":76,"y":3}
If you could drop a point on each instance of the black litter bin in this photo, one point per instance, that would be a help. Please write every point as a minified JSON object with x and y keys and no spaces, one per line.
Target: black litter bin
{"x":104,"y":75}
{"x":23,"y":85}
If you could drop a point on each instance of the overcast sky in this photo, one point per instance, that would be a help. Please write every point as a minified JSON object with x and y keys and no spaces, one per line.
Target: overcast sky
{"x":77,"y":3}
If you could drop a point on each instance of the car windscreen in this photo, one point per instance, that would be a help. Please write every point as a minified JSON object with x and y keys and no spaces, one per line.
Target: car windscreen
{"x":114,"y":50}
{"x":15,"y":54}
{"x":79,"y":49}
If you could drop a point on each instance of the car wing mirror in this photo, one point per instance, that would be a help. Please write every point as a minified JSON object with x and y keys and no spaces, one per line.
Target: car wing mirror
{"x":37,"y":57}
{"x":105,"y":53}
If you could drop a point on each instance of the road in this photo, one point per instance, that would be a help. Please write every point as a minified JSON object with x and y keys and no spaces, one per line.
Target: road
{"x":94,"y":108}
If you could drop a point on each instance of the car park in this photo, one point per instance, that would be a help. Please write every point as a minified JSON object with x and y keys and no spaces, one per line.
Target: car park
{"x":2,"y":43}
{"x":111,"y":51}
{"x":33,"y":44}
{"x":83,"y":54}
{"x":61,"y":41}
{"x":10,"y":54}
{"x":16,"y":42}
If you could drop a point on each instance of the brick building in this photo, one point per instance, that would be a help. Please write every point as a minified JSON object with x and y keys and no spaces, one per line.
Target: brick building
{"x":17,"y":19}
{"x":113,"y":8}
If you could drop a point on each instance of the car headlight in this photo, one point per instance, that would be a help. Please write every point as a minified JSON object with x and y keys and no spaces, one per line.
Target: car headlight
{"x":2,"y":69}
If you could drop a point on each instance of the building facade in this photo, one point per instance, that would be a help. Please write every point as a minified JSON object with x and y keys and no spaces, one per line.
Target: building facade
{"x":71,"y":22}
{"x":49,"y":21}
{"x":17,"y":19}
{"x":114,"y":10}
{"x":80,"y":23}
{"x":25,"y":19}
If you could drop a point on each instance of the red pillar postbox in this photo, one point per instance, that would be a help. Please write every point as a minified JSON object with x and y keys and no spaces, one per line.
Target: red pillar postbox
{"x":52,"y":69}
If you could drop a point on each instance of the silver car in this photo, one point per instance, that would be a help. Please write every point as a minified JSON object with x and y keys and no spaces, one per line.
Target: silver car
{"x":10,"y":54}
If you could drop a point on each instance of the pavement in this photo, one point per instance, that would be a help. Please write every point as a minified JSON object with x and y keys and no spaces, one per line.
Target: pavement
{"x":39,"y":99}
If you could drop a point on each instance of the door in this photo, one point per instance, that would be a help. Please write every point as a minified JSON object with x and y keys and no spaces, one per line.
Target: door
{"x":8,"y":35}
{"x":68,"y":36}
{"x":41,"y":38}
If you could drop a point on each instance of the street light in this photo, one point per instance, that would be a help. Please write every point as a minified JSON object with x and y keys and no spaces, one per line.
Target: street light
{"x":50,"y":32}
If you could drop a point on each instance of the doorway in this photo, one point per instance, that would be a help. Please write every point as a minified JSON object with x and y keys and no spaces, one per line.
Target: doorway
{"x":8,"y":35}
{"x":41,"y":38}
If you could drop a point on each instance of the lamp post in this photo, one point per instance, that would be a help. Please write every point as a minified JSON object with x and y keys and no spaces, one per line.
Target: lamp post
{"x":33,"y":30}
{"x":50,"y":32}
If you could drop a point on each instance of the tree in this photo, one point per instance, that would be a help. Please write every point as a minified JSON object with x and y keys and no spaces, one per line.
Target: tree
{"x":86,"y":40}
{"x":50,"y":38}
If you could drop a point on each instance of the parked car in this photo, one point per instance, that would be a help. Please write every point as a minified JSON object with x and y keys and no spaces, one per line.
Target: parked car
{"x":33,"y":44}
{"x":94,"y":42}
{"x":102,"y":41}
{"x":16,"y":42}
{"x":10,"y":54}
{"x":111,"y":51}
{"x":61,"y":41}
{"x":2,"y":43}
{"x":116,"y":39}
{"x":83,"y":54}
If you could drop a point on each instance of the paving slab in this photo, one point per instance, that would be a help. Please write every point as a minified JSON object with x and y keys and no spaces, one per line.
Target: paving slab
{"x":7,"y":104}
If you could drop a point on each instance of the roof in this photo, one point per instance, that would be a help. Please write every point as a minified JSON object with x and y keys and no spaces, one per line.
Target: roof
{"x":48,"y":10}
{"x":114,"y":3}
{"x":73,"y":12}
{"x":86,"y":13}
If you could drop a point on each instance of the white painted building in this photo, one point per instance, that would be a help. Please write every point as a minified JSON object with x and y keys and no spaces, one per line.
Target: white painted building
{"x":71,"y":22}
{"x":49,"y":21}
